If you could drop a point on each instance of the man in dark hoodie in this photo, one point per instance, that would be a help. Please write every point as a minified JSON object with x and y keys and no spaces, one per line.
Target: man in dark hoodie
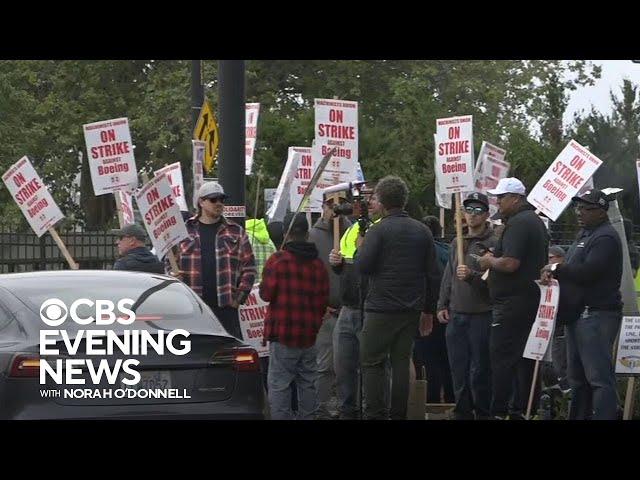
{"x":465,"y":307}
{"x":322,"y":235}
{"x":134,"y":255}
{"x":295,"y":282}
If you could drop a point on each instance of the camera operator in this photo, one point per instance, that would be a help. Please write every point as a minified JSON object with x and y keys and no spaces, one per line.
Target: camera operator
{"x":346,"y":335}
{"x":322,"y":235}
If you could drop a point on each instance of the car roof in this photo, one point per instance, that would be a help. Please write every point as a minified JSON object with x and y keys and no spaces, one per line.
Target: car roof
{"x":91,"y":275}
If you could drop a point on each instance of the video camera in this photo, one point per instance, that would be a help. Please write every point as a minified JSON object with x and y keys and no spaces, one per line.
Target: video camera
{"x":356,"y":203}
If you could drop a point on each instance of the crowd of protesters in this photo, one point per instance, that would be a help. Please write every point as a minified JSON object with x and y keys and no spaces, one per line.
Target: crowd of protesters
{"x":345,"y":326}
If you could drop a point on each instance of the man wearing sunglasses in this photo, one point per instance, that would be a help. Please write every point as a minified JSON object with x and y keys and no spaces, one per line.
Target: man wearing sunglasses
{"x":216,"y":260}
{"x":521,"y":251}
{"x":464,"y":305}
{"x":593,"y":271}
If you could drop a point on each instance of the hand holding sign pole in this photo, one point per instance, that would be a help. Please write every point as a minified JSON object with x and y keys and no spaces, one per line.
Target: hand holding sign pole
{"x":454,"y":164}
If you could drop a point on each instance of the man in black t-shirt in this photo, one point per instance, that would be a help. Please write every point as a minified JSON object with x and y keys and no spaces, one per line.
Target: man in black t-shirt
{"x":520,"y":253}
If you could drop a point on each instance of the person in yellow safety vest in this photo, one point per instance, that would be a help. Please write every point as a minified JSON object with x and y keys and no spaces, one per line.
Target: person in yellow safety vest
{"x":261,"y":243}
{"x":346,"y":334}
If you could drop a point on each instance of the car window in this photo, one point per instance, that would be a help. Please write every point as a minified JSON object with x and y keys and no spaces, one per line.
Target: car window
{"x":159,"y":304}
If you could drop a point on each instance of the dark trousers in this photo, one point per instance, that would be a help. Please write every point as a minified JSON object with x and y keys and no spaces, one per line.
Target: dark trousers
{"x":512,"y":322}
{"x":431,"y":352}
{"x":387,"y":335}
{"x":468,"y":348}
{"x":228,"y":317}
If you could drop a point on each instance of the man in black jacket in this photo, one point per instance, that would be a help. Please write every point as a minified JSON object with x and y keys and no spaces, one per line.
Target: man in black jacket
{"x":594,"y":265}
{"x":398,"y":255}
{"x":134,"y":254}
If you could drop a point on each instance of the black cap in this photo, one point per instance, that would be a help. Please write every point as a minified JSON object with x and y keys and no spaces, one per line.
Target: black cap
{"x":300,"y":224}
{"x":476,"y":197}
{"x":593,"y":197}
{"x":133,"y":230}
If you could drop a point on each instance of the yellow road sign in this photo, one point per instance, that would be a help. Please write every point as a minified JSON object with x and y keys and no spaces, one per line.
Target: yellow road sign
{"x":207,"y":131}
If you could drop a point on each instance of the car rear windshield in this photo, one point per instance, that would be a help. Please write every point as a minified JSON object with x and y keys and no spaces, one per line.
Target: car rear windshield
{"x":159,"y":303}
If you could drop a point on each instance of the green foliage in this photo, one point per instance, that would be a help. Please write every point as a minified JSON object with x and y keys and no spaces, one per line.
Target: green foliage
{"x":516,"y":104}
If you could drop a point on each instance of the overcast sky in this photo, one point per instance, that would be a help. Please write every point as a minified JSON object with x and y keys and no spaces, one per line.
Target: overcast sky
{"x":613,"y":72}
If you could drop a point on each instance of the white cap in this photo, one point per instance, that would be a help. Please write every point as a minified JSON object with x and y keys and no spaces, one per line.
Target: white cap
{"x":211,"y":190}
{"x":509,"y":185}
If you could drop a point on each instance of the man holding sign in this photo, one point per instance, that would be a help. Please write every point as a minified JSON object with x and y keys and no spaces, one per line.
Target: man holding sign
{"x":594,"y":266}
{"x":519,"y":255}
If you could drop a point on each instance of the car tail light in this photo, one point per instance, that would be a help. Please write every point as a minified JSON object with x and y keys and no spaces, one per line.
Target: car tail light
{"x":244,"y":359}
{"x":25,"y":366}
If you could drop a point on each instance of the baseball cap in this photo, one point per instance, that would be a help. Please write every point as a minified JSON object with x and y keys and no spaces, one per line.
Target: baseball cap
{"x":133,"y":230}
{"x":211,"y":190}
{"x":593,"y":197}
{"x":556,"y":251}
{"x":476,"y":197}
{"x":509,"y":185}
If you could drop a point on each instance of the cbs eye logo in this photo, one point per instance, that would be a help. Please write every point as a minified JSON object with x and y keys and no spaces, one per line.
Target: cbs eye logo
{"x":53,"y":312}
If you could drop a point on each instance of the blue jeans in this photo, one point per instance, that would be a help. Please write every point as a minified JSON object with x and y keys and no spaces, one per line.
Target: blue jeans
{"x":590,"y":365}
{"x":325,"y":378}
{"x":346,"y":355}
{"x":468,"y":347}
{"x":288,"y":364}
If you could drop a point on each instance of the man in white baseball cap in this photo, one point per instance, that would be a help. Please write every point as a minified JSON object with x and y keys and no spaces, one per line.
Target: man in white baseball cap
{"x":216,"y":260}
{"x":509,"y":185}
{"x":520,"y":253}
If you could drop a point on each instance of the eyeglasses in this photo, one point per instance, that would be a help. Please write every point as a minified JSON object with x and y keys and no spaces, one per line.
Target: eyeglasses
{"x":216,"y":199}
{"x":584,"y":208}
{"x":475,"y":210}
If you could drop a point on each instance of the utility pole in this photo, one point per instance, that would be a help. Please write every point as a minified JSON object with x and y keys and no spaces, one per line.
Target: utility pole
{"x":231,"y":159}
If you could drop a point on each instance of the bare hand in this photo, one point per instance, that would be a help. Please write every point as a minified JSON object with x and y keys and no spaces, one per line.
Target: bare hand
{"x":546,"y":275}
{"x":485,"y":261}
{"x":335,"y":258}
{"x":463,"y":272}
{"x":179,"y":274}
{"x":426,"y":324}
{"x":443,"y":316}
{"x":359,"y":241}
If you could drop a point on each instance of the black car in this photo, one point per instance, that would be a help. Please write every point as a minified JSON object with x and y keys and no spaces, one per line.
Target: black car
{"x":217,"y":377}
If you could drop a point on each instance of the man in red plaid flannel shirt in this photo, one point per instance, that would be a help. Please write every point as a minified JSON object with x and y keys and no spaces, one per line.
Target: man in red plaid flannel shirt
{"x":296,"y":283}
{"x":216,"y":261}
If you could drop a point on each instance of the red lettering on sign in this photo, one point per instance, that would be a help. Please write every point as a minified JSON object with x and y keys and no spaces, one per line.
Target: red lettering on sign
{"x":19,"y":179}
{"x":153,"y":195}
{"x":108,"y":136}
{"x":336,"y":116}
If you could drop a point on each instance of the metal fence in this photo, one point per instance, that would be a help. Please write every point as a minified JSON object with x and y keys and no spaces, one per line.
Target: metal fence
{"x":25,"y":252}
